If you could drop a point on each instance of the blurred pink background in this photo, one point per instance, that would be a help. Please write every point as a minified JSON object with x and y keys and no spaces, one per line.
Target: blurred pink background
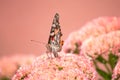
{"x":23,"y":20}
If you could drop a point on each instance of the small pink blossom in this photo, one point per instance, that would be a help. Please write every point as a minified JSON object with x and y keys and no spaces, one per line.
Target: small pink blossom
{"x":116,"y":71}
{"x":102,"y":44}
{"x":66,"y":67}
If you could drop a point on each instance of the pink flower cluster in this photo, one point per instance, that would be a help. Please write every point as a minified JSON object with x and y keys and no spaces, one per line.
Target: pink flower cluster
{"x":101,"y":25}
{"x":99,"y":36}
{"x":66,"y":67}
{"x":95,"y":46}
{"x":96,"y":37}
{"x":10,"y":64}
{"x":116,"y":71}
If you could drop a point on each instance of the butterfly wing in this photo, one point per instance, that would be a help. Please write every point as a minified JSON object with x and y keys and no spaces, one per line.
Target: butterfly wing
{"x":54,"y":41}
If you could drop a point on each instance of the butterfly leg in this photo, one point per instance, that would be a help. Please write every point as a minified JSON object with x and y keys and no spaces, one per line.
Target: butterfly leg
{"x":51,"y":55}
{"x":49,"y":51}
{"x":55,"y":54}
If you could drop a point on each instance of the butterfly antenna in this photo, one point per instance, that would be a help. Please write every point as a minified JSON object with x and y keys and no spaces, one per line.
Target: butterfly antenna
{"x":37,"y":42}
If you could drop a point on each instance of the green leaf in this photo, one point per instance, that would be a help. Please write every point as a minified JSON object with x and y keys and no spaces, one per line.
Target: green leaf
{"x":4,"y":78}
{"x":105,"y":75}
{"x":76,"y":51}
{"x":60,"y":68}
{"x":112,"y":60}
{"x":101,"y":59}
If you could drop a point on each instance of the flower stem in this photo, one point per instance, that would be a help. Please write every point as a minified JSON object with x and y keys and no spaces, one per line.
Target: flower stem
{"x":107,"y":69}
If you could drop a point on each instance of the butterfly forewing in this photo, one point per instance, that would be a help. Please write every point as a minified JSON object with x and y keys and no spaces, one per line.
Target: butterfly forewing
{"x":54,"y":41}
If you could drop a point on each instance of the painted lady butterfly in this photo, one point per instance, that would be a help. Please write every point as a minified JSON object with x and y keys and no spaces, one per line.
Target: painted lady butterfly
{"x":55,"y":43}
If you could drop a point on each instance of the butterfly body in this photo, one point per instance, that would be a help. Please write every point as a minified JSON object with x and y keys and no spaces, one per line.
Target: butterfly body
{"x":54,"y":44}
